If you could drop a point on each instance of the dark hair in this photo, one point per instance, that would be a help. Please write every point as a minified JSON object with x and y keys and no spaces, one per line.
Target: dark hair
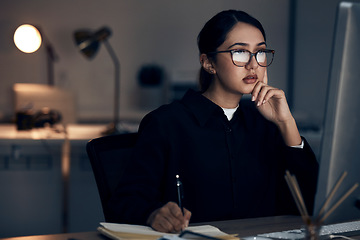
{"x":214,"y":33}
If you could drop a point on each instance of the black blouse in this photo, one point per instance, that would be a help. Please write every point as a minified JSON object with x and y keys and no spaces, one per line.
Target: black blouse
{"x":229,"y":169}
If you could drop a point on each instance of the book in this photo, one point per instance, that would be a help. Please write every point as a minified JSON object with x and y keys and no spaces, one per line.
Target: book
{"x":138,"y":232}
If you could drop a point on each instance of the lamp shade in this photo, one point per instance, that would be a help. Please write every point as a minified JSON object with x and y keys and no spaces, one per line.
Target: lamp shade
{"x":27,"y":38}
{"x":89,"y":42}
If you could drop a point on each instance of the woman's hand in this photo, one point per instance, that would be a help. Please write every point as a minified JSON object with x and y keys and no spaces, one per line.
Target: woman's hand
{"x":169,"y":218}
{"x":271,"y":103}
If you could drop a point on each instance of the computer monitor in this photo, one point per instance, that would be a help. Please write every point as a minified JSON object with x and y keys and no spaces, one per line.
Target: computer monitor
{"x":340,"y":147}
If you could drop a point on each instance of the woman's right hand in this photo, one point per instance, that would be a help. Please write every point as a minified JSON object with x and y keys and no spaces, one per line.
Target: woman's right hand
{"x":169,"y":218}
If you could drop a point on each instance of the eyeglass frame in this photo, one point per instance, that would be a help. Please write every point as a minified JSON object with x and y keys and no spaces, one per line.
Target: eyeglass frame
{"x":251,"y":55}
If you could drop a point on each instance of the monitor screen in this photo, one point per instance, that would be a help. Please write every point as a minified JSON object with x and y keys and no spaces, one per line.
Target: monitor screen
{"x":340,"y":147}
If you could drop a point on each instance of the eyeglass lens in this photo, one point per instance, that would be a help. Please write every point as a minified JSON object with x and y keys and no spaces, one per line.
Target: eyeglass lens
{"x":242,"y":58}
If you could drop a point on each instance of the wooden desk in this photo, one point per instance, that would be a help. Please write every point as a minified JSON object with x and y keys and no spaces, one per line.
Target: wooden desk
{"x":63,"y":236}
{"x":243,"y":227}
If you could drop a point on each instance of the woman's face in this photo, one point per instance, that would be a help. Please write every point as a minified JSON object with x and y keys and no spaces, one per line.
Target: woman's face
{"x":239,"y":80}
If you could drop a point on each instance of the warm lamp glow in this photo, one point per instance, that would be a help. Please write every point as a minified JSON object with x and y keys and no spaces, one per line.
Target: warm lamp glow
{"x":27,"y":38}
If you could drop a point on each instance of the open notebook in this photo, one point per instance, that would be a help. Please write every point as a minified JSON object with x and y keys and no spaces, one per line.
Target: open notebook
{"x":128,"y":231}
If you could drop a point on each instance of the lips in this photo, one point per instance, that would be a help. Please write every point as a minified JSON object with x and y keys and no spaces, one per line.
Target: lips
{"x":250,"y":79}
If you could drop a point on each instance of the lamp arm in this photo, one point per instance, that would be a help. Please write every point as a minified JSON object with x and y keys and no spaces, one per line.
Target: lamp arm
{"x":51,"y":58}
{"x":50,"y":55}
{"x":117,"y":81}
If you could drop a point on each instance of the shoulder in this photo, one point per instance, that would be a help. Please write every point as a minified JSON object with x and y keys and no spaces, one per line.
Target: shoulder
{"x":166,"y":111}
{"x":179,"y":110}
{"x":164,"y":115}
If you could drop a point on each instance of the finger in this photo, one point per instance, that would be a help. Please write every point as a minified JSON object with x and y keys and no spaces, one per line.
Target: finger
{"x":274,"y":92}
{"x":172,"y":214}
{"x":187,"y":216}
{"x":175,"y":210}
{"x":178,"y":218}
{"x":162,"y":219}
{"x":261,"y":96}
{"x":256,"y":90}
{"x":265,"y":80}
{"x":269,"y":94}
{"x":161,"y":224}
{"x":181,"y":220}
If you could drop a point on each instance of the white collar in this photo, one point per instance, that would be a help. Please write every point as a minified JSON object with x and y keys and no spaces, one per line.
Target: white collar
{"x":229,"y":112}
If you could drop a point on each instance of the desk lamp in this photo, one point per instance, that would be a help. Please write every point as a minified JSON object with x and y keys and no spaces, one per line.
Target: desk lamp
{"x":88,"y":42}
{"x":28,"y":39}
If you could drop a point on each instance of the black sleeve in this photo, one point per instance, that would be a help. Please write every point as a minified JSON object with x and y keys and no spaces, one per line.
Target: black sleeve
{"x":303,"y":164}
{"x":300,"y":162}
{"x":139,"y":191}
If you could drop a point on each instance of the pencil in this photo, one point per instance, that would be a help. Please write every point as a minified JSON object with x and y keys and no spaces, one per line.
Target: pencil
{"x":340,"y":201}
{"x":331,"y":195}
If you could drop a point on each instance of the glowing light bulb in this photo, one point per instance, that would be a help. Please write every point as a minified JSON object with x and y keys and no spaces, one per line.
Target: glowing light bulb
{"x":27,"y":38}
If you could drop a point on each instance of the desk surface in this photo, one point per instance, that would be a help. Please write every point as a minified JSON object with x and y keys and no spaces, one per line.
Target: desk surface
{"x":75,"y":132}
{"x":243,"y":227}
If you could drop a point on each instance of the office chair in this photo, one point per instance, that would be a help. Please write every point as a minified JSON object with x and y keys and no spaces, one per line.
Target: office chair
{"x":108,"y":157}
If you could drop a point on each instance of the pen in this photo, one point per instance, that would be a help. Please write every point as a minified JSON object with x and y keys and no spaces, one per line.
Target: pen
{"x":179,"y":192}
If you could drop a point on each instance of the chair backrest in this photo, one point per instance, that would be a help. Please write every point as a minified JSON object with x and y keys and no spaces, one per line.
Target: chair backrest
{"x":108,"y":156}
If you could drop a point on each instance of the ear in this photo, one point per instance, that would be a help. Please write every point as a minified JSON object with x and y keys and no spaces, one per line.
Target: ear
{"x":207,"y":64}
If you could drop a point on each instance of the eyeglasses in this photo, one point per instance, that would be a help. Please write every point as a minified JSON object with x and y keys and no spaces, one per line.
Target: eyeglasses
{"x":242,"y":57}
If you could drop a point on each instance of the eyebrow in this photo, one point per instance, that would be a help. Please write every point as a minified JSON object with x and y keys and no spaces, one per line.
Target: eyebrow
{"x":246,"y":44}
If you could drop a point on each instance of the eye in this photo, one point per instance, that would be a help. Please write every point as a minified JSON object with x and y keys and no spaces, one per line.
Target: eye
{"x":261,"y":56}
{"x":240,"y":56}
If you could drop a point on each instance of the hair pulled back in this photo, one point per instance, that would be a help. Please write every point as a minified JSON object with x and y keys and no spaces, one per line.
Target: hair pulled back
{"x":214,"y":33}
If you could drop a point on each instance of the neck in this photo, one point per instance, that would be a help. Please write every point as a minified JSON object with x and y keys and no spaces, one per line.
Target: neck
{"x":224,"y":100}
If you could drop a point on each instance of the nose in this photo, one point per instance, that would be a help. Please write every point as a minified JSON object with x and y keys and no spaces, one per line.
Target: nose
{"x":252,"y":64}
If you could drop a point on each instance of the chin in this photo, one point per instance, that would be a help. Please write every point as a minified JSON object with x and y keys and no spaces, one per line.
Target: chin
{"x":247,"y":90}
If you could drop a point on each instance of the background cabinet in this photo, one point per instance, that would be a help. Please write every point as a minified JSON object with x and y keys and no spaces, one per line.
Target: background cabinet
{"x":31,"y":183}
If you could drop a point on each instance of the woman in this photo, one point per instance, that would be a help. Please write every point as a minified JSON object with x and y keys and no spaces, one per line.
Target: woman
{"x":231,"y":154}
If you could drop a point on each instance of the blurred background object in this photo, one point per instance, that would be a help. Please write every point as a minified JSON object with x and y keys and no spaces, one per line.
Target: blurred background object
{"x":88,"y":42}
